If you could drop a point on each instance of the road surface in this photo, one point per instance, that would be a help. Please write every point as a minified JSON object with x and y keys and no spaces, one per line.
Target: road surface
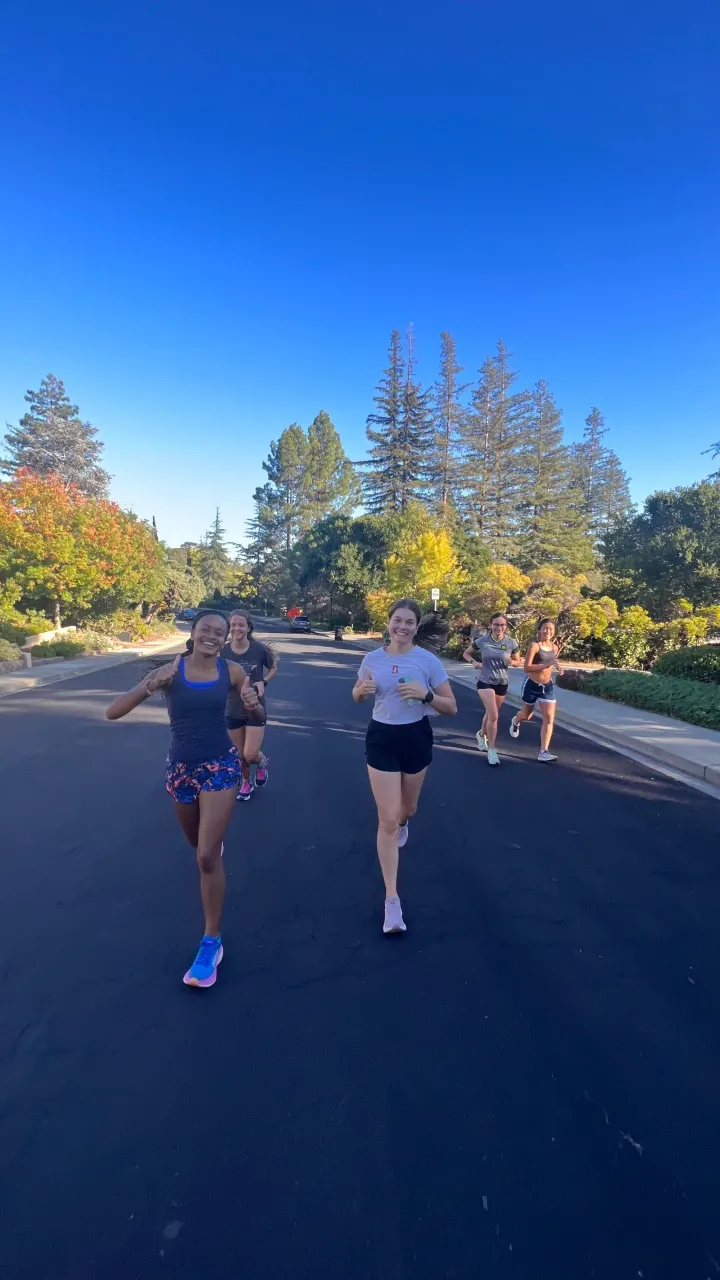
{"x":524,"y":1087}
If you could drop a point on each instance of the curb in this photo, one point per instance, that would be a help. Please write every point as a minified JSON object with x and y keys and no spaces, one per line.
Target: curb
{"x":26,"y":684}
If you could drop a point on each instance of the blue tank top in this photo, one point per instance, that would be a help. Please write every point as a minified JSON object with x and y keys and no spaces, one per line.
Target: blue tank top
{"x":197,"y":717}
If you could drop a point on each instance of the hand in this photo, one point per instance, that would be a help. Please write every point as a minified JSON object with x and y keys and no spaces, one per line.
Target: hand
{"x":260,"y":687}
{"x":560,"y":670}
{"x":163,"y":677}
{"x":248,"y":695}
{"x":413,"y":689}
{"x":367,"y":687}
{"x":477,"y":665}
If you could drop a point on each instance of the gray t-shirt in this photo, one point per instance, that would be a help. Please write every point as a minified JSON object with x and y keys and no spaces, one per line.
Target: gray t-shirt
{"x":495,"y":656}
{"x":388,"y":669}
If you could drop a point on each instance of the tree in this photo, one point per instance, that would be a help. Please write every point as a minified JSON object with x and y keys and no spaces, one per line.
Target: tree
{"x":628,"y":641}
{"x":598,"y":474}
{"x":382,"y":481}
{"x":491,"y":442}
{"x":670,"y":551}
{"x":329,"y":483}
{"x":214,"y":563}
{"x":52,"y":440}
{"x":281,"y":502}
{"x":499,"y":585}
{"x":183,"y":586}
{"x":72,"y":553}
{"x":552,"y":522}
{"x":400,"y":433}
{"x":447,"y":415}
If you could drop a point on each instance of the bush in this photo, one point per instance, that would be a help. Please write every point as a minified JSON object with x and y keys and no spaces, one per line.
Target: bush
{"x":16,"y":627}
{"x":688,"y":700}
{"x":627,"y":642}
{"x":162,"y":626}
{"x":698,"y":662}
{"x":9,"y":652}
{"x":57,"y":649}
{"x":93,"y":641}
{"x":572,"y":679}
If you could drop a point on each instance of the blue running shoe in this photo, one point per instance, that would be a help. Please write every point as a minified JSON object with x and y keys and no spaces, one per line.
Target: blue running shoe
{"x":203,"y":970}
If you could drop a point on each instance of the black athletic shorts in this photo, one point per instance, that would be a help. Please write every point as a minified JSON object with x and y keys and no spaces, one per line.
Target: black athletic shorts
{"x":499,"y":689}
{"x":399,"y":748}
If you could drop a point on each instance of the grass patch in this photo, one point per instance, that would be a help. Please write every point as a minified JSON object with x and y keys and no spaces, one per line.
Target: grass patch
{"x":688,"y":700}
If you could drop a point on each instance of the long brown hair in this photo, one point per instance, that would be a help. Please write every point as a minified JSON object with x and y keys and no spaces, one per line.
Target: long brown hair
{"x":432,"y":630}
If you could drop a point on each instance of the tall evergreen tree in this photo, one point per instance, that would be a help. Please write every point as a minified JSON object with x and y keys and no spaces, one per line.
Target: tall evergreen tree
{"x":282,"y":500}
{"x":448,"y":413}
{"x":214,"y":563}
{"x":52,"y":440}
{"x":491,"y":449}
{"x":330,"y":484}
{"x":382,"y":479}
{"x":597,"y":472}
{"x":553,"y":530}
{"x":416,"y":433}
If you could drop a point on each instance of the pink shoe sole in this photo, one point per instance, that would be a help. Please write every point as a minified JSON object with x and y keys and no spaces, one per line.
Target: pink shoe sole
{"x":206,"y":982}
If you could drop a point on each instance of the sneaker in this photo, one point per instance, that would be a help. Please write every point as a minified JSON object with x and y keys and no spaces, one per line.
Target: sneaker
{"x":403,"y":834}
{"x":246,"y":790}
{"x":514,"y":728}
{"x":481,"y":741}
{"x":493,"y":757}
{"x":261,"y":773}
{"x":203,"y":970}
{"x":394,"y":922}
{"x":546,"y":757}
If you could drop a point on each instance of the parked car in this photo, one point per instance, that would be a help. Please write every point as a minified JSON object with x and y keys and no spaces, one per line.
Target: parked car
{"x":301,"y":623}
{"x":188,"y":615}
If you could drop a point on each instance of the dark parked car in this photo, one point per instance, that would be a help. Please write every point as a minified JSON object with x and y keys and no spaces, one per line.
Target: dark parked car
{"x":301,"y":623}
{"x":188,"y":615}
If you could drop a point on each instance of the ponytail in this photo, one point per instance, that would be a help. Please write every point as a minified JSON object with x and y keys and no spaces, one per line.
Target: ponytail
{"x":432,"y":632}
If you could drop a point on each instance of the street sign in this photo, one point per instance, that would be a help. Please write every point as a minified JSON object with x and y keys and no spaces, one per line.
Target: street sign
{"x":435,"y":593}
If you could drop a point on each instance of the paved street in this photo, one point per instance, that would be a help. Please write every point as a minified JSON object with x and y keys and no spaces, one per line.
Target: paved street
{"x":524,"y":1087}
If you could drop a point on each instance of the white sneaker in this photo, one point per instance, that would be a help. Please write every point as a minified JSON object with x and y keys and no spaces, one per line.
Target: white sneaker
{"x":403,"y":835}
{"x":394,"y":922}
{"x":481,"y":741}
{"x":514,"y":728}
{"x":493,"y":757}
{"x":546,"y":757}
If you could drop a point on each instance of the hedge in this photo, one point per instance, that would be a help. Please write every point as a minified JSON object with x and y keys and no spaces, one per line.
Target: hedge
{"x":694,"y":662}
{"x":57,"y":649}
{"x":9,"y":652}
{"x":688,"y":700}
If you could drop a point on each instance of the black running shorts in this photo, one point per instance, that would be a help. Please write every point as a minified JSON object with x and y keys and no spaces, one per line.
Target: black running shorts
{"x":498,"y":689}
{"x":399,"y":748}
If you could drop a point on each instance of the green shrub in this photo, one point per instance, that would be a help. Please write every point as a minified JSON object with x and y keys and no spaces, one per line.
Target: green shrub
{"x":627,"y":642}
{"x":16,"y":627}
{"x":93,"y":641}
{"x":9,"y":652}
{"x":162,"y":626}
{"x":572,"y":679}
{"x":697,"y":662}
{"x":683,"y":699}
{"x":57,"y":649}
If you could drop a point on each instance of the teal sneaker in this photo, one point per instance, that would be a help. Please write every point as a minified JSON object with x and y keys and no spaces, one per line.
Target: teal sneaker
{"x":203,"y":970}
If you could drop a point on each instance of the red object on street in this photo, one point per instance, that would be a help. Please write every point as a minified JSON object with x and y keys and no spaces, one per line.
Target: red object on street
{"x":294,"y":612}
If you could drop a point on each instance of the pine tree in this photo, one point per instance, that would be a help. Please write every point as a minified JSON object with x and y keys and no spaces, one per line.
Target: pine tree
{"x":448,"y":413}
{"x":382,"y":481}
{"x":214,"y":563}
{"x":52,"y":440}
{"x":491,"y":446}
{"x":282,"y":499}
{"x":552,"y":525}
{"x":329,"y":485}
{"x":600,"y":477}
{"x":416,"y":433}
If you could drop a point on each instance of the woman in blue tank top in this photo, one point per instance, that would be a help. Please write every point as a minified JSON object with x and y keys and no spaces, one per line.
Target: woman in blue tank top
{"x":203,"y":767}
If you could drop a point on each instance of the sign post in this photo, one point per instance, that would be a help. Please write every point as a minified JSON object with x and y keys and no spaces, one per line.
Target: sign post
{"x":435,"y":594}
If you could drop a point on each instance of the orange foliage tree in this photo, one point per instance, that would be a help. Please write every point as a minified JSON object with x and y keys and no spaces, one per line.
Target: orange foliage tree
{"x":74,"y":553}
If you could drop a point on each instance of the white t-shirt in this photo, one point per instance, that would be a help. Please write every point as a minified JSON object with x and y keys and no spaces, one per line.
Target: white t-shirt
{"x":387,"y":669}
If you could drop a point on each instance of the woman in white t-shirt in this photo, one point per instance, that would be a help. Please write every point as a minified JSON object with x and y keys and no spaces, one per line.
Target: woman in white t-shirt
{"x":409,"y":684}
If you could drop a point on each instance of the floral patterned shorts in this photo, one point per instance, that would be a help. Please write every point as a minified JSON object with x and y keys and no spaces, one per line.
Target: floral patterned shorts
{"x":185,"y":782}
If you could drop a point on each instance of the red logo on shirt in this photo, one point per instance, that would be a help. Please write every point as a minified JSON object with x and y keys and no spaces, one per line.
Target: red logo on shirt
{"x":395,"y":670}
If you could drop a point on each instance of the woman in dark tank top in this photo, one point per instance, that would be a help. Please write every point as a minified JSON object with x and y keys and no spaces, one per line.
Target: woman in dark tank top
{"x":203,"y":766}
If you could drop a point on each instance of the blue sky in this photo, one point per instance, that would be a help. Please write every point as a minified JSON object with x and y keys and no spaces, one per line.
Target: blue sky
{"x":212,"y":217}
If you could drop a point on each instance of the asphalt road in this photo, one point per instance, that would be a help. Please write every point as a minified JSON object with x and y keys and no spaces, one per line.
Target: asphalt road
{"x":524,"y":1087}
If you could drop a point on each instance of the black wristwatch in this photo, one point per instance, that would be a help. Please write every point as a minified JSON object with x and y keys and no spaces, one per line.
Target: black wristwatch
{"x":428,"y":697}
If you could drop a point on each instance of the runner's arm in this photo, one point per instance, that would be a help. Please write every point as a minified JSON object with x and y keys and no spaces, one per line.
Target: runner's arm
{"x":127,"y":702}
{"x":444,"y":699}
{"x":241,"y":684}
{"x":469,"y":656}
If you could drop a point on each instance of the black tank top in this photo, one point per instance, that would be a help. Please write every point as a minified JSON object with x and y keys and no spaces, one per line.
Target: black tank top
{"x":197,"y":717}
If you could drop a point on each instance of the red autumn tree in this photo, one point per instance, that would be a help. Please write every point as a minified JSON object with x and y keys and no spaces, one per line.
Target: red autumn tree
{"x":75,"y":552}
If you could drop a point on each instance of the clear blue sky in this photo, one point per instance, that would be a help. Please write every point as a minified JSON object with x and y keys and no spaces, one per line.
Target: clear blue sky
{"x":212,"y":216}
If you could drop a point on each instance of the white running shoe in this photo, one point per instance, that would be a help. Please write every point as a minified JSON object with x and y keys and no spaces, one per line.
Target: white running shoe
{"x":481,"y":741}
{"x":493,"y":757}
{"x":394,"y":922}
{"x":403,"y":834}
{"x":546,"y":757}
{"x":514,"y":728}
